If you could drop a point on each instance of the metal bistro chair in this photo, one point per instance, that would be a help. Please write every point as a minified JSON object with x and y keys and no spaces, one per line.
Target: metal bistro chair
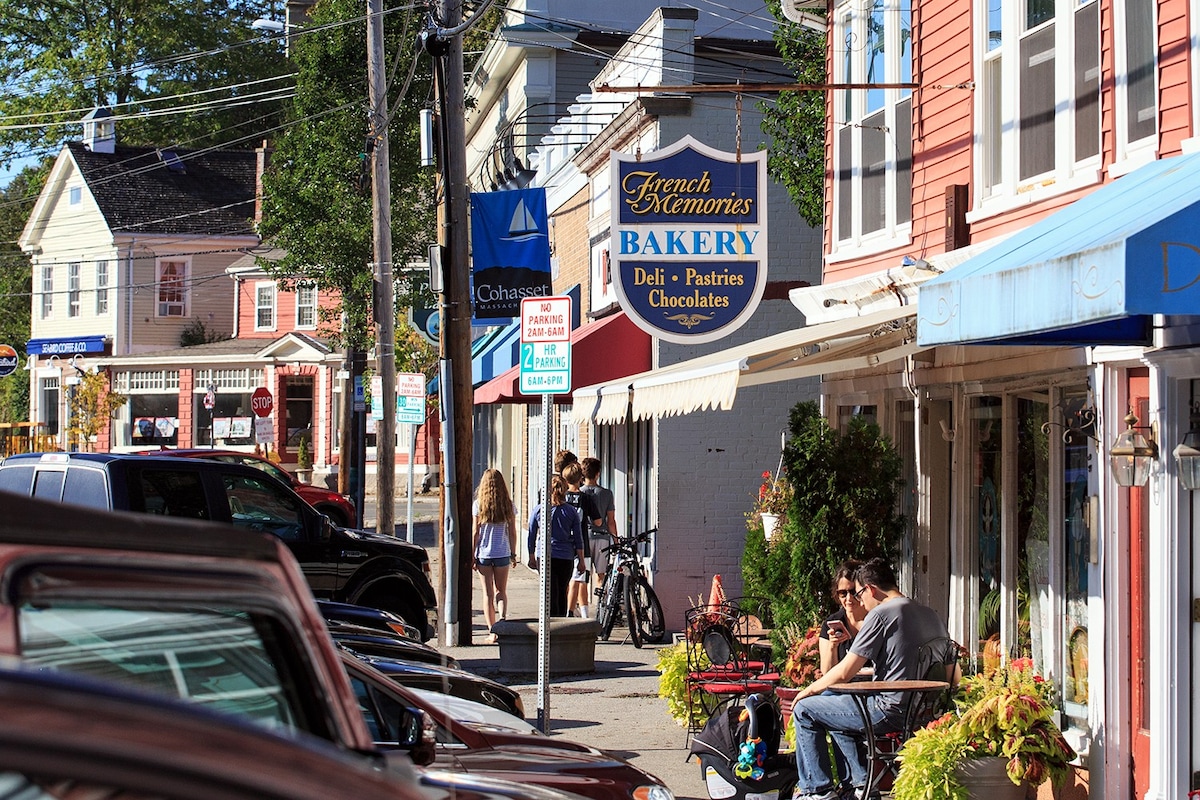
{"x":718,"y":666}
{"x":937,"y":660}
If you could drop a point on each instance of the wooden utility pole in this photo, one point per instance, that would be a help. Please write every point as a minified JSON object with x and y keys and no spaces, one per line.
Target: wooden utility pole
{"x":444,"y":43}
{"x":456,"y":326}
{"x":384,"y":302}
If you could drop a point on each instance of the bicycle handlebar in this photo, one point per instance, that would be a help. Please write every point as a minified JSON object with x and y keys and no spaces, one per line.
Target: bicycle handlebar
{"x":627,"y":542}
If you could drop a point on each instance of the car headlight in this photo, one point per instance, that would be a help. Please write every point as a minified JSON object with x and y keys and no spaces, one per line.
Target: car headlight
{"x":652,"y":792}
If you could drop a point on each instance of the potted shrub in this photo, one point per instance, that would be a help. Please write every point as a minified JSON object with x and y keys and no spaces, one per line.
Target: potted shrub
{"x":303,"y":462}
{"x":1001,"y":737}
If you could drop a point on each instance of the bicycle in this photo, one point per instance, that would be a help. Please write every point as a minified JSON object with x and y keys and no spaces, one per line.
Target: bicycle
{"x":626,"y":584}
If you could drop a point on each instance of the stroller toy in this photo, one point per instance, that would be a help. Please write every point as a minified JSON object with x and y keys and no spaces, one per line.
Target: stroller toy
{"x":739,"y":753}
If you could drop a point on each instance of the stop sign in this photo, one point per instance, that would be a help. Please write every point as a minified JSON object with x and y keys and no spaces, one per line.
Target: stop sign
{"x":261,"y":402}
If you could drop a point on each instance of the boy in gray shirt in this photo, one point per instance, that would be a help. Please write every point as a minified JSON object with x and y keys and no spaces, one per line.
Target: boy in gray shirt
{"x":606,"y":534}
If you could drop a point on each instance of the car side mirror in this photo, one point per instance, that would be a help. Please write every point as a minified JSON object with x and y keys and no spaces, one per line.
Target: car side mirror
{"x":415,"y":736}
{"x":324,"y":528}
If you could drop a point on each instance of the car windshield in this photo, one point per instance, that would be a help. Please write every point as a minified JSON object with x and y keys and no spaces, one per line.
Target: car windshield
{"x":214,"y":656}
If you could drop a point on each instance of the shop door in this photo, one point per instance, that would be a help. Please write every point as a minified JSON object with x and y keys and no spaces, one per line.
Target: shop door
{"x":1139,"y":630}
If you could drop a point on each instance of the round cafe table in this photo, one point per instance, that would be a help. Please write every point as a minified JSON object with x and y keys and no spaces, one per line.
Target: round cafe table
{"x":861,"y":690}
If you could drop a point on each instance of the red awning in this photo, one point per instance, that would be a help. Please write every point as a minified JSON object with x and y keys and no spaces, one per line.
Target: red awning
{"x":604,"y":350}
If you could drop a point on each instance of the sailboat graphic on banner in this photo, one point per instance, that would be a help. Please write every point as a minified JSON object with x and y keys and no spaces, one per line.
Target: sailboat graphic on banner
{"x":510,"y":252}
{"x":523,"y":226}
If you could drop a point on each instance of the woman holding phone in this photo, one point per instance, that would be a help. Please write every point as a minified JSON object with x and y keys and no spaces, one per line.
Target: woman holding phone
{"x":841,"y":627}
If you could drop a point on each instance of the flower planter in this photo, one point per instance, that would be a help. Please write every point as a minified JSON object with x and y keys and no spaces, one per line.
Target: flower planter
{"x":985,"y":779}
{"x":770,"y":523}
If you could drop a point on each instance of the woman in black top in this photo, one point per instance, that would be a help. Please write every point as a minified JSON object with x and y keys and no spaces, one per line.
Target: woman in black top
{"x":838,"y":631}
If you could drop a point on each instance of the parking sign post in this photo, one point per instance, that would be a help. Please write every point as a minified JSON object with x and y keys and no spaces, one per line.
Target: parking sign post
{"x":545,"y":369}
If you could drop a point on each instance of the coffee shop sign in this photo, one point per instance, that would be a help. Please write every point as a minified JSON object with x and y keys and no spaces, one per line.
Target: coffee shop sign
{"x":689,"y":239}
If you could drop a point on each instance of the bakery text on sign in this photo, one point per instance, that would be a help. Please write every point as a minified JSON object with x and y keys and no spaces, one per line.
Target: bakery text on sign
{"x":689,"y":239}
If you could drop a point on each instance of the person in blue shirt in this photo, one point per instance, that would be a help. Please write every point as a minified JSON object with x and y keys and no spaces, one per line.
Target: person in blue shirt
{"x":566,"y":544}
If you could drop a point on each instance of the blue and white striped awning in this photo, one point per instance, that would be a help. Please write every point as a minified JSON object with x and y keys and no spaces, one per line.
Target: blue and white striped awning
{"x":495,"y":353}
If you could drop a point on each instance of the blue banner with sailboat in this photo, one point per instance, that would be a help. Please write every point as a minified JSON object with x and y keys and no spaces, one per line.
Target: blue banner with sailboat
{"x":510,"y":246}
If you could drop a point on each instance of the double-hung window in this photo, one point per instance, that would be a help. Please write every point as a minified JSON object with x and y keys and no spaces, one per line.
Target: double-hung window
{"x":47,"y":292}
{"x":264,"y":306}
{"x":101,"y":288}
{"x":1039,"y":95}
{"x":73,"y":289}
{"x":172,"y":288}
{"x":306,"y":305}
{"x":872,"y":137}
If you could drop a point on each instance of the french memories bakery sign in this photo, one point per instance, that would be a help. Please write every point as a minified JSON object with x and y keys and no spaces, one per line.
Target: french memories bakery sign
{"x":689,"y":239}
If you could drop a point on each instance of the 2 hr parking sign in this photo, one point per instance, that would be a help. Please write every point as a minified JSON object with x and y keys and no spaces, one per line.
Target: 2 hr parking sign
{"x":545,"y":366}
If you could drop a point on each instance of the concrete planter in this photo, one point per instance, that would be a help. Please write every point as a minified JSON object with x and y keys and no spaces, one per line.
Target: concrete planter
{"x":572,"y":645}
{"x":985,"y":779}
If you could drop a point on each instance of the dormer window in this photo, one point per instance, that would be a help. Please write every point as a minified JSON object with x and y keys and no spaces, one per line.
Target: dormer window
{"x":99,"y":131}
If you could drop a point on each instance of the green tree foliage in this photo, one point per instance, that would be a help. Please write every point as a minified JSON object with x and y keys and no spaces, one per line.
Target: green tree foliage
{"x":62,"y":58}
{"x":846,"y":491}
{"x":15,"y":287}
{"x":318,"y":198}
{"x":92,"y":405}
{"x":795,"y":120}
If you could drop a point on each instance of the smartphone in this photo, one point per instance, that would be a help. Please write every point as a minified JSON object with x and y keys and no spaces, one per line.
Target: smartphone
{"x":838,"y":626}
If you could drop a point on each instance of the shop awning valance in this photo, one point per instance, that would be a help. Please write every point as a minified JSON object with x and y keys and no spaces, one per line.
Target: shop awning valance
{"x":601,"y":351}
{"x":1092,"y":273}
{"x":712,"y":381}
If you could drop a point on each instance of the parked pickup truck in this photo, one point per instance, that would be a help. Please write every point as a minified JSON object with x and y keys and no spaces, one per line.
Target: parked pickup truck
{"x":182,"y":608}
{"x":342,"y":564}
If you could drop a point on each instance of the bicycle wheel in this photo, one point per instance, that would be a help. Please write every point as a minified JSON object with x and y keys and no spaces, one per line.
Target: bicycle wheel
{"x":608,"y":605}
{"x":650,"y":614}
{"x":633,"y":611}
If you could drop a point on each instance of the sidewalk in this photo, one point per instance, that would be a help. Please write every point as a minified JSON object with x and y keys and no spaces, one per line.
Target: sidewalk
{"x":616,"y":708}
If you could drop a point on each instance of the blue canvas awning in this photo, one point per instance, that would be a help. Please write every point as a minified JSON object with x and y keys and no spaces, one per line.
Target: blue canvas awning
{"x":1093,"y":273}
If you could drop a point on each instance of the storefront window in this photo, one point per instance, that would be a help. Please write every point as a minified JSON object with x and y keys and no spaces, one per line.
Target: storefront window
{"x":153,"y":408}
{"x":986,"y":424}
{"x":1034,"y":601}
{"x":154,"y":420}
{"x":230,"y":421}
{"x":1077,"y":551}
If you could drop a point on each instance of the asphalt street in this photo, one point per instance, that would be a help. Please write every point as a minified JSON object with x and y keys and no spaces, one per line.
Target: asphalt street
{"x":616,"y":708}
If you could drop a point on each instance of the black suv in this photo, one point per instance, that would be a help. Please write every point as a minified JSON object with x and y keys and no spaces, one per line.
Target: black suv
{"x":350,"y":566}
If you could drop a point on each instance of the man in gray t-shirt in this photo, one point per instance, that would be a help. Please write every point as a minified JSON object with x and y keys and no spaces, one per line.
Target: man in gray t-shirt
{"x":891,"y":638}
{"x":603,"y":535}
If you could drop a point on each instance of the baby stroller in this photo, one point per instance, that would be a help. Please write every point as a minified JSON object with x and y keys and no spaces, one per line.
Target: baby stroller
{"x":739,"y":752}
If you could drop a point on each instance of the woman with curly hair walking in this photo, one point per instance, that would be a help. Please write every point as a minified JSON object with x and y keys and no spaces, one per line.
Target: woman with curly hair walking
{"x":494,"y":525}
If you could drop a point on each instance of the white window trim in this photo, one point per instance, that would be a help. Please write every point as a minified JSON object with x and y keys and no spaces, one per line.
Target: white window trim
{"x":1067,"y":174}
{"x":185,"y":304}
{"x":312,"y":287}
{"x":102,"y":297}
{"x":47,"y":292}
{"x":1192,"y":143}
{"x":1131,"y":155}
{"x":893,"y":233}
{"x":259,"y":286}
{"x":74,"y":289}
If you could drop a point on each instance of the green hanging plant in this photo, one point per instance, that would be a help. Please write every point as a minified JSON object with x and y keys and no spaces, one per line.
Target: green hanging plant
{"x":672,"y":684}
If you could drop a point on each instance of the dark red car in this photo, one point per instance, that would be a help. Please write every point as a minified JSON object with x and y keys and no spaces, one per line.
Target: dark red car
{"x":339,"y":508}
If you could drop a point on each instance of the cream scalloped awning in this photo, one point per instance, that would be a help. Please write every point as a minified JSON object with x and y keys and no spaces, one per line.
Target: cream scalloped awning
{"x":712,"y":381}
